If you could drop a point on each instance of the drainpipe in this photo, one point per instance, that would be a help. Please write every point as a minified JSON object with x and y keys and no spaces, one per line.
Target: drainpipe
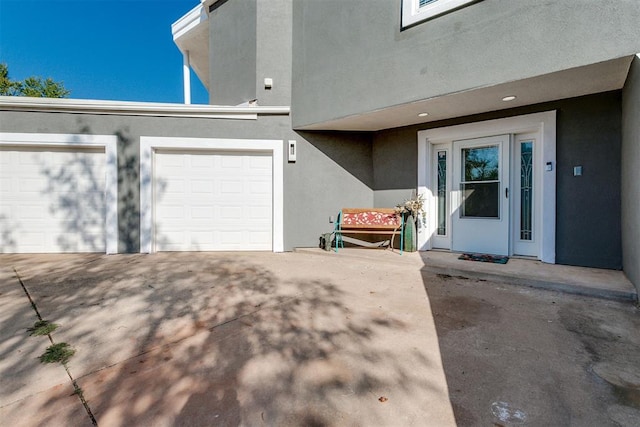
{"x":186,"y":75}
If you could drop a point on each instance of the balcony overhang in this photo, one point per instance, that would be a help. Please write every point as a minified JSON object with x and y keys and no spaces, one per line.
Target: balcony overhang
{"x":570,"y":83}
{"x":191,"y":34}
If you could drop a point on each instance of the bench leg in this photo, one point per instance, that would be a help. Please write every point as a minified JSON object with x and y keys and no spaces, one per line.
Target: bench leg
{"x":401,"y":234}
{"x":339,"y":240}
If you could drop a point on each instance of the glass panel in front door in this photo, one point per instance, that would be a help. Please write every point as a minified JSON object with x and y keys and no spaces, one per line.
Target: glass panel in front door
{"x":480,"y":182}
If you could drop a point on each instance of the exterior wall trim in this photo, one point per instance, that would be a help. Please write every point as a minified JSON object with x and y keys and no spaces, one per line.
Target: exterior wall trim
{"x":413,"y":14}
{"x":108,"y":142}
{"x":189,"y":21}
{"x":149,"y":144}
{"x":545,"y":123}
{"x":88,"y":106}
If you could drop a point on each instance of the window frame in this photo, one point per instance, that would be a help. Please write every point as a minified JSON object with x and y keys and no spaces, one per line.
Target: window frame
{"x":413,"y":14}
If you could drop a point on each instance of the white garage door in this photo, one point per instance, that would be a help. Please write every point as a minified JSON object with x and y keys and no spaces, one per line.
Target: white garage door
{"x":52,"y":200}
{"x":212,"y":201}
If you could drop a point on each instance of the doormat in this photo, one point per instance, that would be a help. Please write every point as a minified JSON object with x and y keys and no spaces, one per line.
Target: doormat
{"x":485,"y":258}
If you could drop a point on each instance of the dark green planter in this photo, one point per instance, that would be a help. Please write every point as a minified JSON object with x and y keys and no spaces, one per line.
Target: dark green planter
{"x":410,"y":234}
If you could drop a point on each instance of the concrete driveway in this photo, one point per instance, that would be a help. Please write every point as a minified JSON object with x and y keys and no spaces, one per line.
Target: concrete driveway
{"x":306,"y":339}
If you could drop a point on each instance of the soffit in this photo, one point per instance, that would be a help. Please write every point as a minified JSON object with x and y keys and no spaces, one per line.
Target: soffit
{"x":191,"y":34}
{"x":594,"y":78}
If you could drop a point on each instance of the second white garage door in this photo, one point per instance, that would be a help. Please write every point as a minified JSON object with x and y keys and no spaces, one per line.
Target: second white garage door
{"x":213,"y":201}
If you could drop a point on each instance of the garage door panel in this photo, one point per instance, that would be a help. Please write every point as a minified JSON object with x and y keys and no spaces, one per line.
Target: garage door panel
{"x":27,"y":158}
{"x":260,"y":163}
{"x":230,"y":212}
{"x":231,"y":187}
{"x":32,"y":239}
{"x":259,"y":188}
{"x":230,"y":237}
{"x":33,"y":185}
{"x":202,"y":186}
{"x":202,"y":239}
{"x":231,"y":162}
{"x":259,"y":237}
{"x":6,"y":183}
{"x":260,"y":213}
{"x":202,"y":212}
{"x":201,"y":161}
{"x":32,"y":211}
{"x":171,"y":212}
{"x":169,"y":162}
{"x":52,"y":199}
{"x":224,"y":198}
{"x":173,"y":185}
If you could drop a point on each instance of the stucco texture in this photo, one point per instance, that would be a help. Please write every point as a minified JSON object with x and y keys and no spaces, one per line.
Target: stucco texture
{"x":631,"y":174}
{"x":361,"y":60}
{"x":331,"y":171}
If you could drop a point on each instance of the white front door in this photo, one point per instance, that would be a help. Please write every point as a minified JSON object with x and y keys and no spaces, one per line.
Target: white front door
{"x":480,"y":197}
{"x":490,"y":194}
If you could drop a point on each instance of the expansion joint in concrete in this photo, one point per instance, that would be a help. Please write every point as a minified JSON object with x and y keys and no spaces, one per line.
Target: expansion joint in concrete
{"x":76,"y":388}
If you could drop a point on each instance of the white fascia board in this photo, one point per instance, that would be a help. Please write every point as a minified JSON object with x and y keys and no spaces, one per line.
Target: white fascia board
{"x":189,"y":21}
{"x":87,"y":106}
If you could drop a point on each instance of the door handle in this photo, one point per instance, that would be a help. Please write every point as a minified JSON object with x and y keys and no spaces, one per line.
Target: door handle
{"x":506,"y":192}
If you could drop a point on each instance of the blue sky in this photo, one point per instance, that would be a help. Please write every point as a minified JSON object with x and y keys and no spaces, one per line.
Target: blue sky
{"x":100,"y":49}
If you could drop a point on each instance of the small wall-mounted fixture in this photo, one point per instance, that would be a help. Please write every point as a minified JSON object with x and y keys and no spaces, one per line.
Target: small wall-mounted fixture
{"x":577,"y":171}
{"x":268,"y":83}
{"x":509,"y":98}
{"x":292,"y":151}
{"x":549,"y":167}
{"x":423,"y":114}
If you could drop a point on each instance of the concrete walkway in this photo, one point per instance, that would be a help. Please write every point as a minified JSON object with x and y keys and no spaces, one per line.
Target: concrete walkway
{"x":594,"y":282}
{"x":321,"y":339}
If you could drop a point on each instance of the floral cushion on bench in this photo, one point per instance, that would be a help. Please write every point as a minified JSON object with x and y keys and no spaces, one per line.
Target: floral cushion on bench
{"x":370,"y":218}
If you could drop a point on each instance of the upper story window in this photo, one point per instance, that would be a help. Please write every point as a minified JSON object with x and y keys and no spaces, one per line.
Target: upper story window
{"x":414,"y":11}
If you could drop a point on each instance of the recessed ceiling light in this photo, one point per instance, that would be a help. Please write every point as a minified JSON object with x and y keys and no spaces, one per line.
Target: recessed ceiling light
{"x":423,"y":114}
{"x":509,"y":98}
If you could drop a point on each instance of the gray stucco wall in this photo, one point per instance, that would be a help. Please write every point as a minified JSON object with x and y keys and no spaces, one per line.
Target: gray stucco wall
{"x":232,"y":52}
{"x":631,"y":174}
{"x":588,"y":224}
{"x":348,"y":169}
{"x":249,"y":41}
{"x":359,"y":60}
{"x":588,"y":230}
{"x":332,"y":171}
{"x":273,"y":51}
{"x":395,"y":170}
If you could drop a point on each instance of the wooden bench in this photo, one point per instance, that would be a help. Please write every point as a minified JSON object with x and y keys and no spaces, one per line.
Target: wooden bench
{"x":368,"y":221}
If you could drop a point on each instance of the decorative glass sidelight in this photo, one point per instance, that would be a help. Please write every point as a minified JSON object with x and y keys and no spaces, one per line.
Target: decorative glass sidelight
{"x":442,"y":193}
{"x":526,"y":190}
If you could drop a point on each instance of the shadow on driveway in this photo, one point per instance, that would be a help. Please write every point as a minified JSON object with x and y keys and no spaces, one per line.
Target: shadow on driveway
{"x":230,"y":339}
